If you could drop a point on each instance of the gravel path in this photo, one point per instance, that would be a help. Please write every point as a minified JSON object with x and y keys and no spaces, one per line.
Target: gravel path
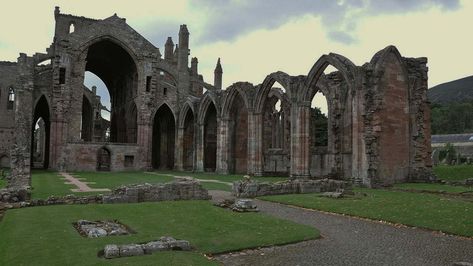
{"x":352,"y":241}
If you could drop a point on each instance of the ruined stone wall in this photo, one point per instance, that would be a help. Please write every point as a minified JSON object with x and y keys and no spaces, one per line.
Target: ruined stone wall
{"x":83,"y":156}
{"x":8,"y":79}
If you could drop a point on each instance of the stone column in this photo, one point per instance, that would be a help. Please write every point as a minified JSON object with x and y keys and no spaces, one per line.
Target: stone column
{"x":223,"y":146}
{"x":300,"y":150}
{"x":144,"y":140}
{"x":74,"y":85}
{"x":199,"y":148}
{"x":179,"y":149}
{"x":255,"y":144}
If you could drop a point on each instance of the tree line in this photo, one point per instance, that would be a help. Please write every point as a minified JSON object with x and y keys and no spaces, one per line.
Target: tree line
{"x":452,"y":118}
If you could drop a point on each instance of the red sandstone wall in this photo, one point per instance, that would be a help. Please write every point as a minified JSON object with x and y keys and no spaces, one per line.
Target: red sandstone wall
{"x":393,"y":122}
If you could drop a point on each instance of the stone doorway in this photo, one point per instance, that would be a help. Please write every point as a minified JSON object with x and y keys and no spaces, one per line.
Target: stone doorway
{"x":103,"y":159}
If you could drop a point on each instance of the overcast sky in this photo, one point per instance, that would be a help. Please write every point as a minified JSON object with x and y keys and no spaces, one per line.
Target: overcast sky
{"x":255,"y":38}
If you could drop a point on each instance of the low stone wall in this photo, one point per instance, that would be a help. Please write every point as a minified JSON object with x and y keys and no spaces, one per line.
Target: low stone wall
{"x":251,"y":188}
{"x":14,"y":195}
{"x":177,"y":190}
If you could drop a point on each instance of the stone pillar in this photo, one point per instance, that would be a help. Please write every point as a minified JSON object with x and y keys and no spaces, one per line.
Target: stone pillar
{"x":179,"y":150}
{"x":300,"y":148}
{"x":223,"y":149}
{"x":21,"y":152}
{"x":74,"y":86}
{"x":255,"y":144}
{"x":199,"y":148}
{"x":145,"y":142}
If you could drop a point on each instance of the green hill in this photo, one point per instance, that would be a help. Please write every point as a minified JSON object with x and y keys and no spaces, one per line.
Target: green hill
{"x":460,"y":90}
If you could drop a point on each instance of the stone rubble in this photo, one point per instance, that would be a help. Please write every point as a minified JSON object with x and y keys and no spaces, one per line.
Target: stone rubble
{"x":101,"y":228}
{"x":165,"y":243}
{"x":238,"y":205}
{"x":250,"y":188}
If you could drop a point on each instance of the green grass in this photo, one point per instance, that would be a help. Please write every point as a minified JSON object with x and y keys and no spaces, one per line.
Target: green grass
{"x":221,"y":177}
{"x":433,"y":187}
{"x":430,"y":211}
{"x":454,"y":172}
{"x":47,"y":183}
{"x":116,"y":179}
{"x":3,"y":182}
{"x":45,"y":236}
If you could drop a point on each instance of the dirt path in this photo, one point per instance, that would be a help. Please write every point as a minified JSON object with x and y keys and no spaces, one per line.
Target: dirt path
{"x":81,"y":186}
{"x":352,"y":241}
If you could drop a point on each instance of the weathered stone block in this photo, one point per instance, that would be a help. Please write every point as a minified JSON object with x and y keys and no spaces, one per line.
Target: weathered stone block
{"x":131,"y":250}
{"x":111,"y":252}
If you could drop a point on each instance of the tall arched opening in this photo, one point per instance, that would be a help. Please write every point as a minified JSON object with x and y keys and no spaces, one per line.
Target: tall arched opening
{"x":163,"y":143}
{"x":210,"y":139}
{"x":113,"y":65}
{"x":276,"y":132}
{"x":238,"y":136}
{"x":40,"y":135}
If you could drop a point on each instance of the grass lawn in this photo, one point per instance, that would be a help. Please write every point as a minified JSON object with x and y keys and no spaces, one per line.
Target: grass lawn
{"x":222,"y":177}
{"x":116,"y":179}
{"x":433,"y":187}
{"x":47,"y":183}
{"x":454,"y":172}
{"x":45,"y":236}
{"x":430,"y":211}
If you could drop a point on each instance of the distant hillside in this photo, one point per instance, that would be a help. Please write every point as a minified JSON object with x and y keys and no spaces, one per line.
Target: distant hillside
{"x":460,"y":90}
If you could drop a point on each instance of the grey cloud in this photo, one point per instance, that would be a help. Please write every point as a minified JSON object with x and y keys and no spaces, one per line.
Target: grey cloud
{"x":228,"y":19}
{"x":158,"y":31}
{"x":340,"y":36}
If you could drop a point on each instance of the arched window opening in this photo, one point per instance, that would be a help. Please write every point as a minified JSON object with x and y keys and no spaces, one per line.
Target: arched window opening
{"x":276,"y":131}
{"x":318,"y":121}
{"x":72,"y":28}
{"x":11,"y":99}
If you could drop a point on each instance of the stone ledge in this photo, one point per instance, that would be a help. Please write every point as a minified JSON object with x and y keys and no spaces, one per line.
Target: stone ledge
{"x":177,"y":190}
{"x":251,"y":189}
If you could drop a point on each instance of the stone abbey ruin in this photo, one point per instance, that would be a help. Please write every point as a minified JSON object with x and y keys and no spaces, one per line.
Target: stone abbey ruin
{"x":165,"y":116}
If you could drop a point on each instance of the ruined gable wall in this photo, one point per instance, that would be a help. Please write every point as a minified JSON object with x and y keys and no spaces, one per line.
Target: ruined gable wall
{"x":8,"y":76}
